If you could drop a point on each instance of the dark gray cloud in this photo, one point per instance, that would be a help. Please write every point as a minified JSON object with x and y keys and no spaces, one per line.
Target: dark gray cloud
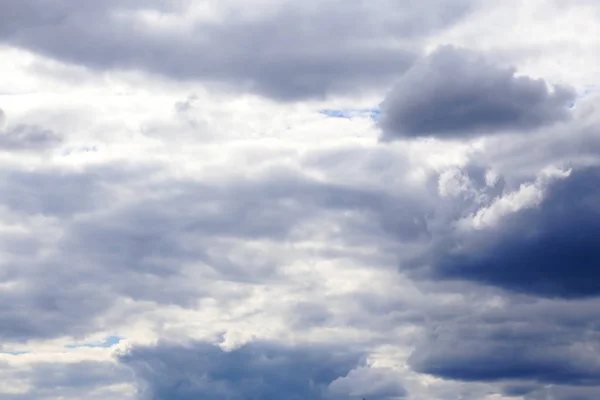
{"x":509,"y":351}
{"x":295,"y":50}
{"x":564,"y":393}
{"x":530,"y":330}
{"x":547,"y":250}
{"x":374,"y":383}
{"x":456,"y":93}
{"x":24,"y":137}
{"x":256,"y":370}
{"x":523,"y":345}
{"x":50,"y":305}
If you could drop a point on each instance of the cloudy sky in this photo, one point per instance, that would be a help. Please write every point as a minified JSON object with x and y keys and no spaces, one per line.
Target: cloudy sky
{"x":306,"y":200}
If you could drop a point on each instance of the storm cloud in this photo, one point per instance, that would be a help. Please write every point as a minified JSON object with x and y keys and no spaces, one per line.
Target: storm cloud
{"x":258,"y":370}
{"x":457,"y":93}
{"x":550,"y":249}
{"x":515,"y":351}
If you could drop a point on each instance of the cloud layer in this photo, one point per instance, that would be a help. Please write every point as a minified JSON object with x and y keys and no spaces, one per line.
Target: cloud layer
{"x":393,"y":200}
{"x":290,"y":52}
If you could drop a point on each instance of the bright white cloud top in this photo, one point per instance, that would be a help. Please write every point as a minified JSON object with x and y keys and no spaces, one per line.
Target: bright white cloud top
{"x":299,"y":200}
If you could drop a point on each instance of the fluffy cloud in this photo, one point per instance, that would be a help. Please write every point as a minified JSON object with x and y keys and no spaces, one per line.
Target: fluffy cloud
{"x":374,"y":383}
{"x":259,"y":370}
{"x":456,"y":93}
{"x":544,"y":245}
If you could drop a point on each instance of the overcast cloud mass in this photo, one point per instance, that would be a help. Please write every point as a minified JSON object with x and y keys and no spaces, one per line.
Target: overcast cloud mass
{"x":320,"y":200}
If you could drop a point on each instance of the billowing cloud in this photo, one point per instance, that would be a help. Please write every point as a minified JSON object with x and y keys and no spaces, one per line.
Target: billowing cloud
{"x":258,"y":370}
{"x":456,"y":93}
{"x":533,"y":242}
{"x":374,"y":383}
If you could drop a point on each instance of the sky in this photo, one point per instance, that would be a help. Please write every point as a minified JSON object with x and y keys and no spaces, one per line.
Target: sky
{"x":315,"y":200}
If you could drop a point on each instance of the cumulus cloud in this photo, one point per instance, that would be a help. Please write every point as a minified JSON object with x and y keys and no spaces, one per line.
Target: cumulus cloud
{"x":374,"y":383}
{"x":547,"y":249}
{"x":457,"y":93}
{"x":258,"y":370}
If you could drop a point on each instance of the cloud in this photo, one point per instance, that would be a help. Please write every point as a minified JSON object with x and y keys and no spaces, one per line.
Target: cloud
{"x":56,"y":293}
{"x":256,"y":370}
{"x":288,"y":51}
{"x":563,"y":393}
{"x":158,"y":241}
{"x":374,"y":383}
{"x":177,"y":209}
{"x":24,"y":137}
{"x":522,"y":343}
{"x":574,"y":143}
{"x":59,"y":379}
{"x":456,"y":93}
{"x":52,"y":192}
{"x":500,"y":354}
{"x":52,"y":377}
{"x":548,"y":247}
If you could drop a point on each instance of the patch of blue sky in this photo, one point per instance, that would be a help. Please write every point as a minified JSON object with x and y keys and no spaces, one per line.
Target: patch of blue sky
{"x":108,"y":342}
{"x":581,"y":96}
{"x":334,"y":113}
{"x":372,"y":113}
